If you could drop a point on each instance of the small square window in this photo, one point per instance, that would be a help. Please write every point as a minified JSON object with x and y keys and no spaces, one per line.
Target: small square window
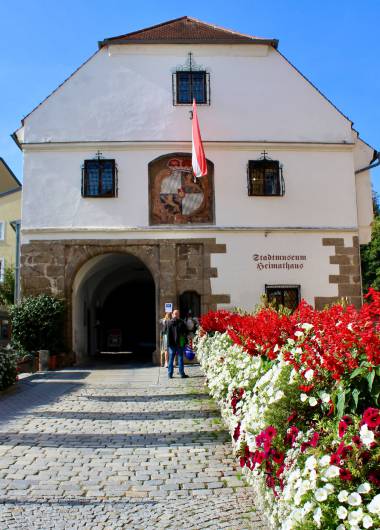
{"x":189,"y":85}
{"x":265,"y":178}
{"x":284,"y":295}
{"x":2,"y":230}
{"x":99,"y":178}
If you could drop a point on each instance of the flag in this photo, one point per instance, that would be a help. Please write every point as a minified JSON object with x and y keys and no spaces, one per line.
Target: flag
{"x":198,"y":160}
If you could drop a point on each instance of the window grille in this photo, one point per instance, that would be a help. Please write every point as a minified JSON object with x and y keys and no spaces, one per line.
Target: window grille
{"x":189,"y":85}
{"x":99,"y":178}
{"x":265,"y":178}
{"x":284,"y":295}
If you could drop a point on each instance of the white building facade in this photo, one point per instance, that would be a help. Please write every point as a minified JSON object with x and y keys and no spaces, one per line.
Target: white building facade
{"x":113,"y":221}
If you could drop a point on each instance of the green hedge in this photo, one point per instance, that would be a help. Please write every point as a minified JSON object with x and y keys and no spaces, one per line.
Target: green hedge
{"x":8,"y":368}
{"x":37,"y":324}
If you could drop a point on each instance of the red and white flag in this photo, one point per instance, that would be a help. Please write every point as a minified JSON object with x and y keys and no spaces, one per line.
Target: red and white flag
{"x":198,"y":159}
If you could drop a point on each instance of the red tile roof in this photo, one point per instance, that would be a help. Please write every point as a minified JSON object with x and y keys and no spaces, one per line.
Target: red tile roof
{"x":186,"y":30}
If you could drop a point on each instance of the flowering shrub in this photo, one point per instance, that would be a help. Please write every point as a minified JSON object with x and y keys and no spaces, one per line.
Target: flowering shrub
{"x":8,"y":368}
{"x":300,"y":395}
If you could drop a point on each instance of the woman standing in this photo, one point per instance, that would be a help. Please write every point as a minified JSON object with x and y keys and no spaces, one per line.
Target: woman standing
{"x":164,"y":336}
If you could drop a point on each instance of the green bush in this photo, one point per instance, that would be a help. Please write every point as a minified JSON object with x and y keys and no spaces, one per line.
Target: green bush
{"x":37,"y":324}
{"x":8,"y":368}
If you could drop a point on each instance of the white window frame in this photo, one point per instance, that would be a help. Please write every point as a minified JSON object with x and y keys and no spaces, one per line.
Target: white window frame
{"x":2,"y":269}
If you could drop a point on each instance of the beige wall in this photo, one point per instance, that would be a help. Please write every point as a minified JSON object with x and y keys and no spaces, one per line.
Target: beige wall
{"x":10,"y":210}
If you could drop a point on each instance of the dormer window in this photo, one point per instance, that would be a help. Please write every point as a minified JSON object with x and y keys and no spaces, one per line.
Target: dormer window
{"x":265,"y":178}
{"x":99,"y":178}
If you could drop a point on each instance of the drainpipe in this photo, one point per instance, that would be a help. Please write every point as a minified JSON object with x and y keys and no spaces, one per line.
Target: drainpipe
{"x":16,"y":225}
{"x":375,"y":162}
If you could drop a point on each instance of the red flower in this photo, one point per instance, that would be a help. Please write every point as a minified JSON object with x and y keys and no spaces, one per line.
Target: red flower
{"x":242,"y":461}
{"x":345,"y":474}
{"x":342,"y":428}
{"x":259,"y":457}
{"x":357,"y":441}
{"x":371,"y":417}
{"x":278,"y":457}
{"x":314,"y":440}
{"x":306,"y":388}
{"x":374,"y":477}
{"x":347,"y":419}
{"x":236,"y":432}
{"x":270,"y":432}
{"x":292,"y":416}
{"x":335,"y":459}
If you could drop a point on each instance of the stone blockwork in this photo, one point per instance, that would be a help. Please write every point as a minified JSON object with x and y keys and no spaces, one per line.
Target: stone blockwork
{"x":177,"y":265}
{"x":349,"y":278}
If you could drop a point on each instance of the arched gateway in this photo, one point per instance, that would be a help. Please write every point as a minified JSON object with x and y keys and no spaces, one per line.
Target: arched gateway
{"x":114,"y":307}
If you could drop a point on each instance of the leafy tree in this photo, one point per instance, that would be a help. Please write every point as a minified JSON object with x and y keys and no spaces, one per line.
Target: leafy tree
{"x":370,"y":253}
{"x":37,"y":324}
{"x":7,"y":287}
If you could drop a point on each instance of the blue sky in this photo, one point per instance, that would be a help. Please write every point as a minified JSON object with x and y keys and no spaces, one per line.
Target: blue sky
{"x":335,"y":43}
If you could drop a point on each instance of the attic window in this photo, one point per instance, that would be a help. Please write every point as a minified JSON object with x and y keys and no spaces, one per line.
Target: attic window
{"x":265,"y":177}
{"x":191,"y":81}
{"x":191,"y":85}
{"x":99,"y":178}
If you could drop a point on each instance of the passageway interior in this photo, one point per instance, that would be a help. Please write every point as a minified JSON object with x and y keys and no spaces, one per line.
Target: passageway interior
{"x":114,"y":309}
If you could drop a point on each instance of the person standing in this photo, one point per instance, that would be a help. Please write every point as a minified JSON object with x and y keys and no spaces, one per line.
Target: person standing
{"x":164,"y":336}
{"x":177,"y":338}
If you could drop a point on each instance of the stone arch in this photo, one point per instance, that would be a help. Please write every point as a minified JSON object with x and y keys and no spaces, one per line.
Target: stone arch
{"x":103,"y":276}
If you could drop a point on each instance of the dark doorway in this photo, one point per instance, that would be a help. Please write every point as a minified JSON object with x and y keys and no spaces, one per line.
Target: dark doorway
{"x":190,"y":301}
{"x":127,"y":320}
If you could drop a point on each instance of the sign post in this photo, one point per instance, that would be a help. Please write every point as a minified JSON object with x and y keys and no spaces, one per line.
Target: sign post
{"x":168,"y":307}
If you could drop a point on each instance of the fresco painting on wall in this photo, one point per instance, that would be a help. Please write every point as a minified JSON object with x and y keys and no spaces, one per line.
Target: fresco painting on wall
{"x":175,"y":196}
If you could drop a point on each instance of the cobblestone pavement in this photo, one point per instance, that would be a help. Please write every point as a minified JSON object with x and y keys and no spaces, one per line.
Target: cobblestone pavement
{"x":117,"y":448}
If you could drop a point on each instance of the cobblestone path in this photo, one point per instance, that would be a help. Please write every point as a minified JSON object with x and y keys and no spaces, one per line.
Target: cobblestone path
{"x":122,"y":448}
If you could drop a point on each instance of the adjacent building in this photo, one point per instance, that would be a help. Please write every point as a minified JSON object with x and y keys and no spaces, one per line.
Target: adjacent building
{"x":114,"y":222}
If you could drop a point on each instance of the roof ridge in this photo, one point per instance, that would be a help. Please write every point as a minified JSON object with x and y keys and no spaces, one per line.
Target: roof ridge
{"x":144,"y":34}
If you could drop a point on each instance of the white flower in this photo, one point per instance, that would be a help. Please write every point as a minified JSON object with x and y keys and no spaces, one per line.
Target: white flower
{"x":309,"y":374}
{"x":341,"y":512}
{"x":307,"y":507}
{"x":332,"y":472}
{"x":317,"y":516}
{"x":311,"y":462}
{"x":343,"y":496}
{"x":367,"y":521}
{"x":303,"y":397}
{"x":354,"y":499}
{"x":341,"y":527}
{"x":329,"y":488}
{"x":325,"y":397}
{"x":299,"y":334}
{"x":374,"y":505}
{"x":366,"y":436}
{"x":355,"y":516}
{"x":313,"y":402}
{"x":364,"y":488}
{"x":307,"y":327}
{"x":324,"y":461}
{"x":320,"y":494}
